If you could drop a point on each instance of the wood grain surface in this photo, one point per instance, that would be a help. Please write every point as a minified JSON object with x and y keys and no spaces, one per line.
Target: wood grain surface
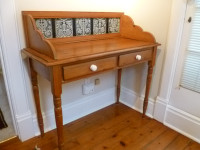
{"x":65,"y":59}
{"x":114,"y":127}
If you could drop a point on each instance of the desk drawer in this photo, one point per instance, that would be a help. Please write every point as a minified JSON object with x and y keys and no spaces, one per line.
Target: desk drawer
{"x":134,"y":58}
{"x":84,"y":69}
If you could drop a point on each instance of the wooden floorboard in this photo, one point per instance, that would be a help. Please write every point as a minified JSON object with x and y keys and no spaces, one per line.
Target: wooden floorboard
{"x":116,"y":127}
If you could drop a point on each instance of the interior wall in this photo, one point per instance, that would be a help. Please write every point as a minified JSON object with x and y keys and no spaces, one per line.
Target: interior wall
{"x":152,"y":15}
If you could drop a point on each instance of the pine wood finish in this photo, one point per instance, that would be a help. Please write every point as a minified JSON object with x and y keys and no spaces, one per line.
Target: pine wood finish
{"x":114,"y":127}
{"x":129,"y":59}
{"x":148,"y":84}
{"x":56,"y":89}
{"x":60,"y":59}
{"x":83,"y":69}
{"x":119,"y":76}
{"x":36,"y":97}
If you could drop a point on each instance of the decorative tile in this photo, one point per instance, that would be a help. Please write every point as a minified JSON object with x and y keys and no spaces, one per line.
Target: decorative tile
{"x":45,"y":26}
{"x":83,"y":26}
{"x":113,"y":25}
{"x":63,"y":27}
{"x":99,"y":25}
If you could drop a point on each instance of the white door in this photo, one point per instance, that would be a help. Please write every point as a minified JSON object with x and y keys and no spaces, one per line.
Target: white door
{"x":184,"y":96}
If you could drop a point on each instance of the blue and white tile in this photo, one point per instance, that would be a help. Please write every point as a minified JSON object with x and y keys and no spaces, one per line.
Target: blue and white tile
{"x":63,"y":27}
{"x":45,"y":26}
{"x":113,"y":25}
{"x":83,"y":26}
{"x":99,"y":26}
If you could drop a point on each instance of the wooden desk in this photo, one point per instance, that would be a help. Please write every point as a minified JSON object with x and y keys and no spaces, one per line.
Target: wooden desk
{"x":67,"y":46}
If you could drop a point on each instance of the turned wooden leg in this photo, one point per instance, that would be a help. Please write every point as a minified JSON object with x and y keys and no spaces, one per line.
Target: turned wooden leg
{"x":56,"y":86}
{"x":36,"y":97}
{"x":148,"y":84}
{"x":119,"y":74}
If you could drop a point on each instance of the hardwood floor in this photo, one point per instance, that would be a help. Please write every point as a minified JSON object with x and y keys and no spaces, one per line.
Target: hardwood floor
{"x":116,"y":127}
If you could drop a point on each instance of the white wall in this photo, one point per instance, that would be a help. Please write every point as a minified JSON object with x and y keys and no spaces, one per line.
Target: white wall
{"x":175,"y":107}
{"x":151,"y":15}
{"x":154,"y":16}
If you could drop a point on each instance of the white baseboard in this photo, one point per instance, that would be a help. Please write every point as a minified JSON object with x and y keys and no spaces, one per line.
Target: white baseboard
{"x":160,"y":109}
{"x":25,"y":126}
{"x":174,"y":118}
{"x":133,"y":100}
{"x":183,"y":123}
{"x":78,"y":109}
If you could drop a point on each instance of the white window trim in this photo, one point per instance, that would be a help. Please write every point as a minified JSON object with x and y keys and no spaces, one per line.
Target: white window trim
{"x":176,"y":25}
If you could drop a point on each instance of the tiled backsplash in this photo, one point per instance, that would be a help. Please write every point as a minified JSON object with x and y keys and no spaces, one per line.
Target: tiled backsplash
{"x":68,"y":27}
{"x":83,"y":26}
{"x":45,"y":26}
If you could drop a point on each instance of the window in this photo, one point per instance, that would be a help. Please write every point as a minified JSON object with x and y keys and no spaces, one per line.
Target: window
{"x":191,"y":69}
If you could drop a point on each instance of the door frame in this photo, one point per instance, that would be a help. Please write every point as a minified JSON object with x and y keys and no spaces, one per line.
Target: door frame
{"x":7,"y":87}
{"x":178,"y":12}
{"x":14,"y":71}
{"x":169,"y":115}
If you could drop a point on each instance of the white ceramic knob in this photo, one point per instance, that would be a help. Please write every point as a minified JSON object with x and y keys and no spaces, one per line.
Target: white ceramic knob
{"x":93,"y":67}
{"x":138,"y":57}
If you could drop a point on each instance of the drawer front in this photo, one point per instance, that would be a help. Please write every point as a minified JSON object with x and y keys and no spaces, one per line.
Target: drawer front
{"x":84,"y":69}
{"x":134,"y":58}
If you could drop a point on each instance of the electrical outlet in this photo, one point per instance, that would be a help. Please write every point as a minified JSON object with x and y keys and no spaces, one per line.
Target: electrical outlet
{"x":88,"y":88}
{"x":97,"y":81}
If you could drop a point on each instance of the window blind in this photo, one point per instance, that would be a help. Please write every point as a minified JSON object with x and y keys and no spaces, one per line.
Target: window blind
{"x":191,"y":69}
{"x":197,"y":3}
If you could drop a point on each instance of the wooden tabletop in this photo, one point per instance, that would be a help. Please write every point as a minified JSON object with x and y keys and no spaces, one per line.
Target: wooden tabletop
{"x":79,"y":49}
{"x":70,"y":52}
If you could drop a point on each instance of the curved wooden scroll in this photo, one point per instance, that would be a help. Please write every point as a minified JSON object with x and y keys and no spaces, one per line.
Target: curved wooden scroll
{"x":129,"y":30}
{"x":36,"y":40}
